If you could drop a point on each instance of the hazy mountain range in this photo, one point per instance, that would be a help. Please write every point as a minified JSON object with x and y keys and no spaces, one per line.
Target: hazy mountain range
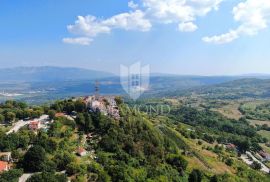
{"x":53,"y":74}
{"x":38,"y":84}
{"x":49,"y":74}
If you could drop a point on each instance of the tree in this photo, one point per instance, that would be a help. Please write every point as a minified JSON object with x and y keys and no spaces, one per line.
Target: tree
{"x":36,"y":114}
{"x":22,"y":105}
{"x":63,"y":159}
{"x":208,"y":138}
{"x":222,"y":178}
{"x":9,"y":104}
{"x":34,"y":159}
{"x":214,"y":178}
{"x":243,"y":145}
{"x":49,"y":166}
{"x":98,"y":172}
{"x":79,"y":106}
{"x":80,"y":120}
{"x":24,"y":139}
{"x":47,"y":177}
{"x":75,"y":168}
{"x":229,"y":162}
{"x":51,"y":114}
{"x":16,"y":155}
{"x":178,"y":162}
{"x":256,"y":165}
{"x":69,"y":107}
{"x":19,"y":114}
{"x":88,"y":123}
{"x":10,"y":116}
{"x":57,"y":106}
{"x":118,"y":100}
{"x":2,"y":118}
{"x":195,"y":176}
{"x":11,"y":175}
{"x":12,"y":141}
{"x":49,"y":144}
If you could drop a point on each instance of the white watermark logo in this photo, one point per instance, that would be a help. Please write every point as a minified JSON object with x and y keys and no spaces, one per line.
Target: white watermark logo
{"x":135,"y":79}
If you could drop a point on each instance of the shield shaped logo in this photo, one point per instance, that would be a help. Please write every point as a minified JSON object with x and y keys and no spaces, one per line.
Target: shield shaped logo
{"x":135,"y":79}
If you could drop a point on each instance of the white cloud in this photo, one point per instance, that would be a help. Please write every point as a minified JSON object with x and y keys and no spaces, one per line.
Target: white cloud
{"x":179,"y":11}
{"x":129,"y":21}
{"x":78,"y":40}
{"x":132,"y":5}
{"x":253,"y":16}
{"x":187,"y":27}
{"x":222,"y":39}
{"x":89,"y":26}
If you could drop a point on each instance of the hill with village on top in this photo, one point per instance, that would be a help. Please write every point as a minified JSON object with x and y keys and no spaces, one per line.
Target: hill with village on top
{"x":195,"y":136}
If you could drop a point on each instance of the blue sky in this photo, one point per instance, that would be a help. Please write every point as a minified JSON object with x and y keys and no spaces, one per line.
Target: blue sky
{"x":218,"y":37}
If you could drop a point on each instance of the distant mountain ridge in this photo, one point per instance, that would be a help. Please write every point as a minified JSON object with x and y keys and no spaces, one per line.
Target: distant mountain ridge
{"x":49,"y":74}
{"x":53,"y":74}
{"x":40,"y":84}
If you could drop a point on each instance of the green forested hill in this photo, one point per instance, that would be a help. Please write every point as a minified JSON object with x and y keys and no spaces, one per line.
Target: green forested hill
{"x":185,"y":144}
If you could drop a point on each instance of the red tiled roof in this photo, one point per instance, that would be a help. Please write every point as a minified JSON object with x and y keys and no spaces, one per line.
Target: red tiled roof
{"x":3,"y":166}
{"x":231,"y":145}
{"x":264,"y":154}
{"x":59,"y":114}
{"x":80,"y":150}
{"x":34,"y":123}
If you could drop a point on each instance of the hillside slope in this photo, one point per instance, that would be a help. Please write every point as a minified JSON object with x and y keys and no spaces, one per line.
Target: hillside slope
{"x":236,"y":89}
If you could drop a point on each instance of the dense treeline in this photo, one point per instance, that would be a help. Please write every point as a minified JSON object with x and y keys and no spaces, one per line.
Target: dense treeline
{"x":213,"y":120}
{"x":223,"y":130}
{"x":14,"y":141}
{"x":132,"y":149}
{"x":256,"y":112}
{"x":13,"y":110}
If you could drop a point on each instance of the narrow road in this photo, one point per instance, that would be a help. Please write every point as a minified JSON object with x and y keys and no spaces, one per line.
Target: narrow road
{"x":249,"y":162}
{"x":18,"y":125}
{"x":25,"y":176}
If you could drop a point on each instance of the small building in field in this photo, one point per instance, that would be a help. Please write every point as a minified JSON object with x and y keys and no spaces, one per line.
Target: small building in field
{"x":5,"y":156}
{"x":34,"y":125}
{"x":264,"y":155}
{"x":81,"y":151}
{"x":59,"y":114}
{"x":231,"y":146}
{"x":4,"y":166}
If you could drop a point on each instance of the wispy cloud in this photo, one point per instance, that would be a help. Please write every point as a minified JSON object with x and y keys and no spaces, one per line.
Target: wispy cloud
{"x":132,"y":5}
{"x":187,"y":27}
{"x":78,"y":40}
{"x":90,"y":26}
{"x":253,"y":16}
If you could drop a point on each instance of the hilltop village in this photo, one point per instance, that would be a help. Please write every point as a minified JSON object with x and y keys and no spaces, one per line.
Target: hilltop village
{"x":104,"y":104}
{"x":63,"y":114}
